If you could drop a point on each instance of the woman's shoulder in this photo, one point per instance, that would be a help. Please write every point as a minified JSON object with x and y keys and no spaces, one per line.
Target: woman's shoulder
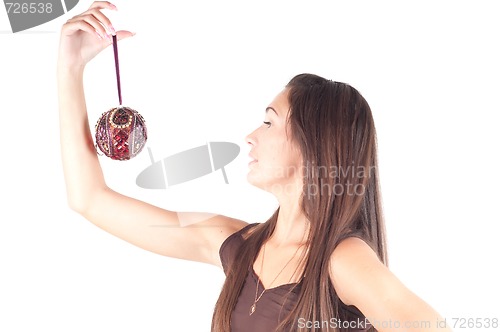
{"x":231,"y":244}
{"x":354,"y":267}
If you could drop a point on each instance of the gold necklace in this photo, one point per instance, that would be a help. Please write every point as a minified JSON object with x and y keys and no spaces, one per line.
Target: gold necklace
{"x":254,"y":305}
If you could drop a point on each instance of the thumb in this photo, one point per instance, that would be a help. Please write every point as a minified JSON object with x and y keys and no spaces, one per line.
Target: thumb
{"x":123,"y":34}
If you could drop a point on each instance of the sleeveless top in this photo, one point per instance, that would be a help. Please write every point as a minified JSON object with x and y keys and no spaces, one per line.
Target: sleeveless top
{"x":276,"y":303}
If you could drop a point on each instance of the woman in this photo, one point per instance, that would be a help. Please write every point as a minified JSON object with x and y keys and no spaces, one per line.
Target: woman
{"x":319,"y":263}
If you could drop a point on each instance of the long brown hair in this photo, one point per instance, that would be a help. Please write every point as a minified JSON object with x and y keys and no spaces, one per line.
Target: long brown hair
{"x":332,"y":124}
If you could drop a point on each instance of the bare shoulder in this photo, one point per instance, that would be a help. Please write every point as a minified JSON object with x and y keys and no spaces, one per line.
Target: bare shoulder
{"x":215,"y":231}
{"x":362,"y":280}
{"x":224,"y":227}
{"x":212,"y":223}
{"x":353,"y":267}
{"x":353,"y":253}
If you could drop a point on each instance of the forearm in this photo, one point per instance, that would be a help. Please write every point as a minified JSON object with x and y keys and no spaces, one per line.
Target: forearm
{"x":82,"y":171}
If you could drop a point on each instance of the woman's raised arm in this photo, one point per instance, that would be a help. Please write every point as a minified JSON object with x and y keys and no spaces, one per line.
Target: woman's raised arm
{"x":82,"y":38}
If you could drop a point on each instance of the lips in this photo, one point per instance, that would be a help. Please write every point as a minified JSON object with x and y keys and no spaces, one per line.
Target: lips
{"x":253,"y":159}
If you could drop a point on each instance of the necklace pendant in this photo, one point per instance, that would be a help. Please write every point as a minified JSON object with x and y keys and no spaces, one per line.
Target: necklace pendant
{"x":252,"y":308}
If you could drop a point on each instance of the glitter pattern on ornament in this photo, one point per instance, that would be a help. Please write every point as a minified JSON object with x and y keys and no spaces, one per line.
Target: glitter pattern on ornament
{"x":121,"y":133}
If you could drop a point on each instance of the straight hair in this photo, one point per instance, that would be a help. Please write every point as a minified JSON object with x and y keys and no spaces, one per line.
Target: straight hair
{"x":333,"y":127}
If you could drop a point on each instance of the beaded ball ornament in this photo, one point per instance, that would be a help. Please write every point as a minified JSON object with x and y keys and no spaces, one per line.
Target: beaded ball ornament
{"x":120,"y":133}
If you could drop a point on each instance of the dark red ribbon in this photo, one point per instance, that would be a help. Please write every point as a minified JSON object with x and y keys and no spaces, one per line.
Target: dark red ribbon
{"x":117,"y":67}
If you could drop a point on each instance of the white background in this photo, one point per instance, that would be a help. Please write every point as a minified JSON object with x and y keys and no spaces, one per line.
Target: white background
{"x":203,"y":71}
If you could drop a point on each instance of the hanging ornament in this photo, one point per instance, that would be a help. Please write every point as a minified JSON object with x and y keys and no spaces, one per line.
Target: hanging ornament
{"x":120,"y":132}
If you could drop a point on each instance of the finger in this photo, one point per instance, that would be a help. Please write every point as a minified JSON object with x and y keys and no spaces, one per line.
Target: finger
{"x":103,"y":5}
{"x":103,"y":20}
{"x":96,"y":6}
{"x":122,"y":34}
{"x":94,"y":22}
{"x":83,"y":26}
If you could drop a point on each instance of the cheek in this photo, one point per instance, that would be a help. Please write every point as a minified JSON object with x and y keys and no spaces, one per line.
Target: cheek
{"x":290,"y":158}
{"x":292,"y":152}
{"x":295,"y":163}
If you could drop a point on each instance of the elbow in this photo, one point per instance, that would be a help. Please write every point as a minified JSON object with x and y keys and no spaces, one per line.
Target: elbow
{"x":77,"y":205}
{"x":82,"y":202}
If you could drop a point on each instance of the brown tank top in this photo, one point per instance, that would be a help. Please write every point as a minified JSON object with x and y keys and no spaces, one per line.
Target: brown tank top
{"x":275,"y":304}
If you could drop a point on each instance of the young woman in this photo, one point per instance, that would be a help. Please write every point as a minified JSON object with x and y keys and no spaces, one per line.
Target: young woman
{"x":318,"y":263}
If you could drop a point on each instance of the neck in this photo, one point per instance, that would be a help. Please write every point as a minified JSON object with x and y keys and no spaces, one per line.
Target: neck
{"x":292,"y":226}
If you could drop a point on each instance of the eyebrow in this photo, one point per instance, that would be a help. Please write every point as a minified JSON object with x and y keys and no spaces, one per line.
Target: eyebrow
{"x":272,"y":109}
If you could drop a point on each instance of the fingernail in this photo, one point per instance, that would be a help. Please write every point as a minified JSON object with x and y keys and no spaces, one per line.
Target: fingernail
{"x":112,"y":30}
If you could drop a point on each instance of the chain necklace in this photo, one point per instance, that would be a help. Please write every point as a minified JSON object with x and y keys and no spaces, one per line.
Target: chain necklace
{"x":254,"y":305}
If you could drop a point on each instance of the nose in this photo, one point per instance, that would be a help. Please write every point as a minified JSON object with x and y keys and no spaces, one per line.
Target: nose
{"x":251,"y":138}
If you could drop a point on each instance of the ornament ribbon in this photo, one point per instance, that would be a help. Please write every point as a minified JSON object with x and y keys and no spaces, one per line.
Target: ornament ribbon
{"x":117,"y":67}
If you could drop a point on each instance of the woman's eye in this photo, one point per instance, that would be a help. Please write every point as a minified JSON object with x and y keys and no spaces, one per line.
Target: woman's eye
{"x":267,"y":123}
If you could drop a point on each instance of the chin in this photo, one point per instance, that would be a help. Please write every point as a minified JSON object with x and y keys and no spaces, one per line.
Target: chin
{"x":252,"y":179}
{"x":256,"y":181}
{"x":263,"y":184}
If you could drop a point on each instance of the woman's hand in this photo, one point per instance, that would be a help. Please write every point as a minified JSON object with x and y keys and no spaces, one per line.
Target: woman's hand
{"x":85,"y":35}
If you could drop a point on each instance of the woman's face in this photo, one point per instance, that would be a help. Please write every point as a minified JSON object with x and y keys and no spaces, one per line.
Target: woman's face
{"x":276,"y":161}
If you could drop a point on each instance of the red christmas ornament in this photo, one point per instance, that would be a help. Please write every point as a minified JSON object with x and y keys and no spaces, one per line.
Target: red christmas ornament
{"x":120,"y":133}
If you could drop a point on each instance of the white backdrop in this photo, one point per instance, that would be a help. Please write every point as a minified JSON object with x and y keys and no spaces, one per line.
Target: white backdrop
{"x":203,"y":71}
